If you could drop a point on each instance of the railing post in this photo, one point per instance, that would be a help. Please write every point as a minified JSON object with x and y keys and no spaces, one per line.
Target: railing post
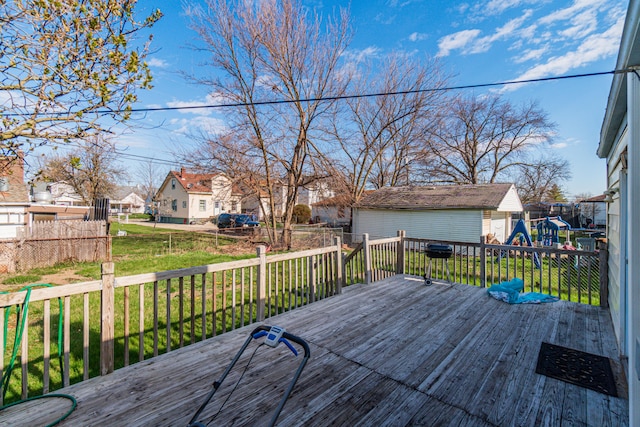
{"x":339,"y":273}
{"x":366,"y":252}
{"x":401,"y":252}
{"x":312,"y":278}
{"x":483,"y":262}
{"x":261,"y":283}
{"x":107,"y":324}
{"x":603,"y":270}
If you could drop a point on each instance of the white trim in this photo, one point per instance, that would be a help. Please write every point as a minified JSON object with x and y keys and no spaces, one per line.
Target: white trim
{"x":633,"y":246}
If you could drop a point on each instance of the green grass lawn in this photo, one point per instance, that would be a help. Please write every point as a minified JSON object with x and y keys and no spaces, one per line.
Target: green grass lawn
{"x":144,"y":249}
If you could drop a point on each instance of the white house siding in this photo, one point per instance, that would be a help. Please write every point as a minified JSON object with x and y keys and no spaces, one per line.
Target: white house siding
{"x":511,"y":202}
{"x":11,"y":218}
{"x":193,"y":207}
{"x":447,"y":225}
{"x":614,"y":170}
{"x":500,"y":225}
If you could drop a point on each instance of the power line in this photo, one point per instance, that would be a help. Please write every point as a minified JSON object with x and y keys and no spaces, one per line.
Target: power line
{"x":343,"y":97}
{"x":129,"y":156}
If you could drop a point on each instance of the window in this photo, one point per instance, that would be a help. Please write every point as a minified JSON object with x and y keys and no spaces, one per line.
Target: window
{"x":174,"y":205}
{"x":184,"y":204}
{"x":173,"y":184}
{"x":234,"y":206}
{"x":203,"y":205}
{"x":217,"y":205}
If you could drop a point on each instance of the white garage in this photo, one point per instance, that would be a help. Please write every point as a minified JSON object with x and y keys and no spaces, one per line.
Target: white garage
{"x":457,"y":213}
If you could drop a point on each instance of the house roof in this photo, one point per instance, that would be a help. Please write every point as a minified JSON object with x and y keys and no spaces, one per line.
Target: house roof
{"x":480,"y":196}
{"x":121,"y":192}
{"x":339,"y":200}
{"x":194,"y":182}
{"x":594,"y":199}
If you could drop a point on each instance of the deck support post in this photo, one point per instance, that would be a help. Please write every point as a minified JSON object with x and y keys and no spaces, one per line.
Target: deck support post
{"x":338,"y":270}
{"x":311,"y":269}
{"x":483,"y":262}
{"x":366,"y":251}
{"x":603,"y":271}
{"x":262,"y":283}
{"x":107,"y":323}
{"x":401,"y":252}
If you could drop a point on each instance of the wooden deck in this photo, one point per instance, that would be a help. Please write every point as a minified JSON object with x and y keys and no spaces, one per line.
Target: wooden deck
{"x":392,"y":353}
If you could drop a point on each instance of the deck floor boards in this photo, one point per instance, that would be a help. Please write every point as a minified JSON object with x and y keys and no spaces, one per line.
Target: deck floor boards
{"x":393,"y":353}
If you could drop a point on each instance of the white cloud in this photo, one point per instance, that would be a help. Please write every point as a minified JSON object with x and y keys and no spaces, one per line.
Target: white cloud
{"x":499,"y":6}
{"x":469,"y":43}
{"x":414,"y":37}
{"x":593,"y":48}
{"x":190,"y":107}
{"x":583,"y":24}
{"x":569,"y":12}
{"x":158,"y":63}
{"x":385,"y":19}
{"x":531,"y":54}
{"x":361,"y":55}
{"x":482,"y":10}
{"x":459,"y":40}
{"x":198,"y":124}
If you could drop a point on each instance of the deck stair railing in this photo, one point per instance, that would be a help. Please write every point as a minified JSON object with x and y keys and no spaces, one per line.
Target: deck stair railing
{"x":114,"y":322}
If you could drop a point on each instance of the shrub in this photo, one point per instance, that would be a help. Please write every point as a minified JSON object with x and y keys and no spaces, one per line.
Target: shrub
{"x":301,"y":214}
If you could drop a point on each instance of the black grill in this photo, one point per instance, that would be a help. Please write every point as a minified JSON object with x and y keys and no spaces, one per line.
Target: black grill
{"x":436,"y":250}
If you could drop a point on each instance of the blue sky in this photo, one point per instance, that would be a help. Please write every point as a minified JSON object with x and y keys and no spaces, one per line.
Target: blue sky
{"x":476,"y":41}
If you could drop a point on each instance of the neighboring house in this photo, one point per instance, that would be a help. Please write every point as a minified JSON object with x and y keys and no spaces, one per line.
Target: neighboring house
{"x":593,"y":212}
{"x":126,"y":199}
{"x":63,"y":194}
{"x":620,"y":145}
{"x":335,"y":211}
{"x":14,"y":196}
{"x":308,"y":194}
{"x":459,"y":213}
{"x":184,"y":197}
{"x":314,"y":192}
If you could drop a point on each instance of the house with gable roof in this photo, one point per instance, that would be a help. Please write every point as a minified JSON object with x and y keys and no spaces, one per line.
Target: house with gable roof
{"x":186,"y":196}
{"x":126,"y":199}
{"x":458,"y":213}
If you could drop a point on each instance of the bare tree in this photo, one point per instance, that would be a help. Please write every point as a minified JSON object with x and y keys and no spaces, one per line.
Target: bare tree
{"x":481,"y":139}
{"x":68,"y":69}
{"x":150,"y":177}
{"x":535,"y":179}
{"x":377,"y":135}
{"x":91,"y":169}
{"x":271,"y":50}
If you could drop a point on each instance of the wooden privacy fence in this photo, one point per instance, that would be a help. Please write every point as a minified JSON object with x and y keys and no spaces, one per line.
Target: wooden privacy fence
{"x":46,"y":243}
{"x":116,"y":321}
{"x":571,"y":275}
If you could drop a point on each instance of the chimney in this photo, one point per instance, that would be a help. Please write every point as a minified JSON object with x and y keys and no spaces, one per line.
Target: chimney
{"x":182,"y":172}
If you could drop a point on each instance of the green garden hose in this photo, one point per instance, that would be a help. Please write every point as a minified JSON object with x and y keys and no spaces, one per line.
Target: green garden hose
{"x":21,"y":319}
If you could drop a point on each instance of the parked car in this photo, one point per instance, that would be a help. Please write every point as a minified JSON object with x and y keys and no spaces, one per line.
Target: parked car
{"x":231,"y":220}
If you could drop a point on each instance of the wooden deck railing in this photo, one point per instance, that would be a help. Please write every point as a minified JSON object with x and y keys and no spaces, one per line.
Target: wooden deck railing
{"x":579,"y":276}
{"x":115,"y":321}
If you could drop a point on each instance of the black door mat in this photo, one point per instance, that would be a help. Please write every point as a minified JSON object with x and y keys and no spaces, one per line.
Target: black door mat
{"x":577,"y":367}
